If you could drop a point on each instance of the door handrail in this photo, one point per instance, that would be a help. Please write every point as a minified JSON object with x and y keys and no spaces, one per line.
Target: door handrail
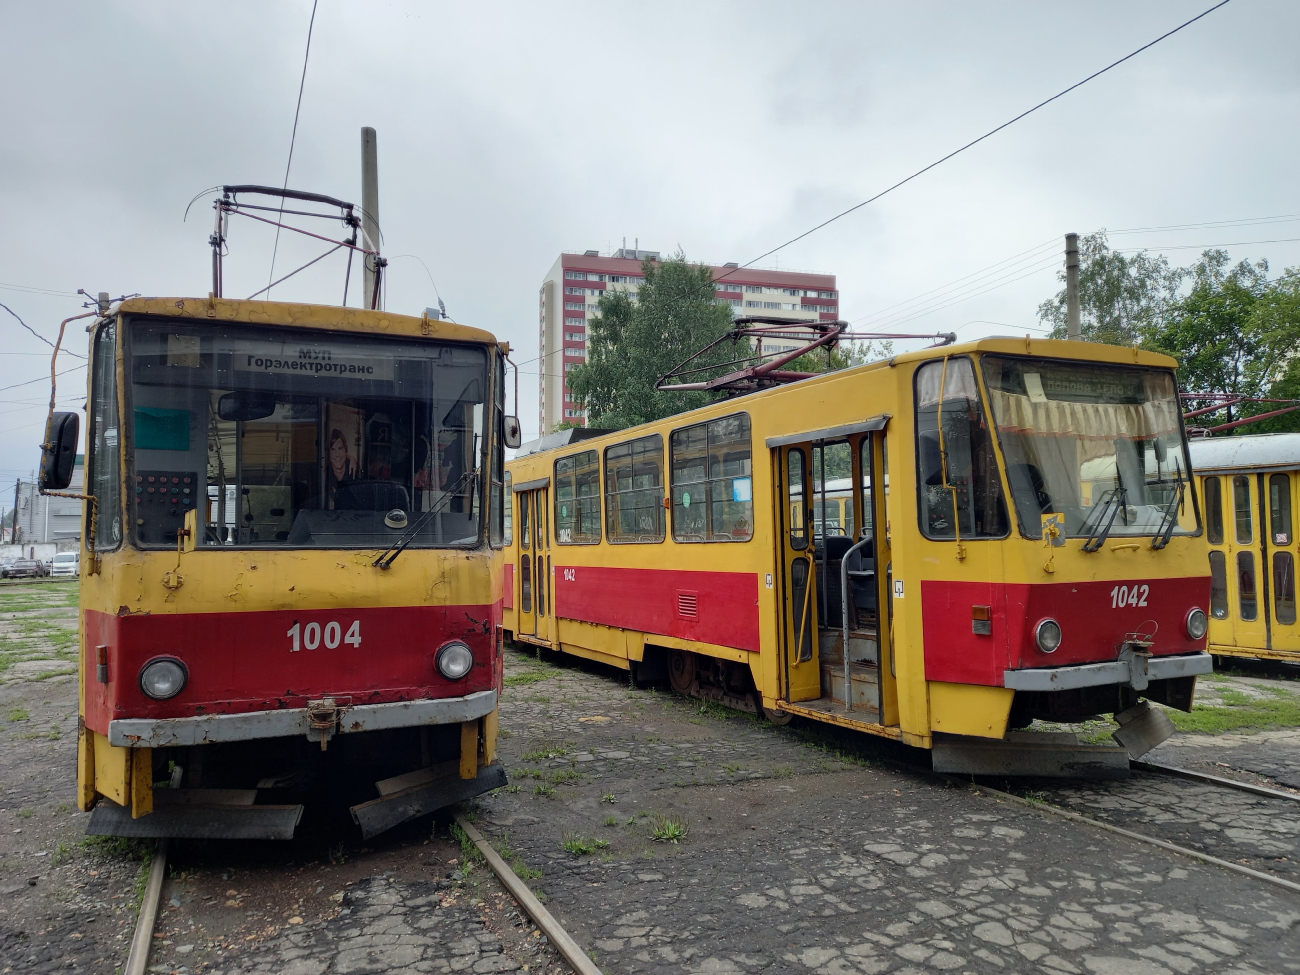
{"x":844,"y":607}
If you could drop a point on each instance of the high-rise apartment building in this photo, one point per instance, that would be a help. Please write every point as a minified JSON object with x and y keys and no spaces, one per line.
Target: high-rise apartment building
{"x":574,"y":284}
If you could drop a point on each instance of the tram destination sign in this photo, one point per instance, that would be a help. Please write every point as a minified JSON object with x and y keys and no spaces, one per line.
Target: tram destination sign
{"x":310,"y":359}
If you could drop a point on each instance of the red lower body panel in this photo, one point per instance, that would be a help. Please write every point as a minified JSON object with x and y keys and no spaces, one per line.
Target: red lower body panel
{"x":1095,"y":619}
{"x":257,"y":661}
{"x":705,"y":607}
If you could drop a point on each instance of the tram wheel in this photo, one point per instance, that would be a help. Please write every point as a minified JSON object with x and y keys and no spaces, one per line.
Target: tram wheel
{"x":775,"y":715}
{"x":681,"y":671}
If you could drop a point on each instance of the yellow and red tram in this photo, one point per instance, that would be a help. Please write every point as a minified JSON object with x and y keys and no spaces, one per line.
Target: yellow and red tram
{"x":937,"y":548}
{"x":291,"y":565}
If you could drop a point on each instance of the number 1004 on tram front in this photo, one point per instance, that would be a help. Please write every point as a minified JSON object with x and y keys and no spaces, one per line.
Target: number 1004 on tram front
{"x":291,"y":572}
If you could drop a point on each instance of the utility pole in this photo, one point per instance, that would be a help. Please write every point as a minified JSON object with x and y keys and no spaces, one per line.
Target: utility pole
{"x":370,"y":214}
{"x":1072,"y":330}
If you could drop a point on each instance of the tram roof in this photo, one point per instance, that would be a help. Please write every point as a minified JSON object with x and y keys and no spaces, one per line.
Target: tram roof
{"x":1256,"y":452}
{"x":296,"y":315}
{"x":1051,"y":348}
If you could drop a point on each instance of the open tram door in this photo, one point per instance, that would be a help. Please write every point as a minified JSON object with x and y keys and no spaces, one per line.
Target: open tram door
{"x":834,"y":564}
{"x":533,"y":595}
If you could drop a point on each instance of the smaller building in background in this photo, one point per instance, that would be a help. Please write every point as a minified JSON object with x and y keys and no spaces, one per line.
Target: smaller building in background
{"x":45,"y":518}
{"x":571,"y":289}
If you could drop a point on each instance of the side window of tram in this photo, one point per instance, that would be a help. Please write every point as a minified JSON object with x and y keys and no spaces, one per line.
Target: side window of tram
{"x":1241,"y":509}
{"x":712,"y":481}
{"x":105,"y":458}
{"x":1213,"y":511}
{"x":1219,"y":585}
{"x":577,"y":499}
{"x":798,"y":507}
{"x":1246,"y":585}
{"x":634,"y":490}
{"x":1279,"y":525}
{"x":508,"y":513}
{"x":969,"y":489}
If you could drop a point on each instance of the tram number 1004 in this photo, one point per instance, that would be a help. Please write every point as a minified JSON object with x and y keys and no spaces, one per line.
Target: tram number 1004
{"x":313,"y":634}
{"x":1122,"y":596}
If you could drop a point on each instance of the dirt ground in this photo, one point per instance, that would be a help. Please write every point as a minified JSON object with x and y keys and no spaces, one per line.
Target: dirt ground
{"x":667,"y":835}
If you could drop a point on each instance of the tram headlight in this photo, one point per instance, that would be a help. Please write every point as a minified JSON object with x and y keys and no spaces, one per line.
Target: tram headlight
{"x":1196,"y":623}
{"x":454,"y":660}
{"x":1047,"y":634}
{"x":163,"y":678}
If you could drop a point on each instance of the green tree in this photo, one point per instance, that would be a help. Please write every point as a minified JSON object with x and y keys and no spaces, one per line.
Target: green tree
{"x":633,"y":342}
{"x":1121,"y":298}
{"x":1216,"y":334}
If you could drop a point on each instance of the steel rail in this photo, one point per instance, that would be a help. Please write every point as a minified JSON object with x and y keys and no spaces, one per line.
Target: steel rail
{"x":550,"y":927}
{"x":1140,"y":837}
{"x":142,"y":939}
{"x":1185,"y":773}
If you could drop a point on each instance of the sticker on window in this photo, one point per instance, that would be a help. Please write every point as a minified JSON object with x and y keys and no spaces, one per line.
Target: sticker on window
{"x":742,"y":489}
{"x":686,"y":499}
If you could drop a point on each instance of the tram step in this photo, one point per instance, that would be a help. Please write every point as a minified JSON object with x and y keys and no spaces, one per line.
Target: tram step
{"x":174,"y":818}
{"x":864,"y":679}
{"x":389,"y":810}
{"x":862,"y":646}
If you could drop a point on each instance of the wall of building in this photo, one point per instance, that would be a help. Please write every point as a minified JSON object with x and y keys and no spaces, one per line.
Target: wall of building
{"x":42,"y":518}
{"x":572,"y":288}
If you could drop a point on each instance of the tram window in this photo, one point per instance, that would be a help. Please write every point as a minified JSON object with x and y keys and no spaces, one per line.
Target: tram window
{"x":1246,"y":585}
{"x":1214,"y":511}
{"x":1241,"y":507}
{"x":798,"y":528}
{"x":104,"y":439}
{"x":508,"y":512}
{"x":1091,"y":447}
{"x":526,"y":578}
{"x":832,"y":469}
{"x":297,"y":439}
{"x":577,"y":499}
{"x":1279,"y":507}
{"x":1219,"y":585}
{"x":866,"y":460}
{"x":1284,"y":587}
{"x":525,"y":536}
{"x":499,"y":488}
{"x":973,"y":490}
{"x":712,"y":481}
{"x":634,"y":490}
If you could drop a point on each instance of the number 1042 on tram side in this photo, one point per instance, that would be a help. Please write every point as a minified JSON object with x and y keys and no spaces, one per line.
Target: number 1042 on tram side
{"x":940,"y":548}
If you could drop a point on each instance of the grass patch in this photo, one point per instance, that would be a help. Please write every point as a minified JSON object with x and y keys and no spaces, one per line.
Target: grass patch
{"x":544,"y":791}
{"x":608,"y":797}
{"x":512,"y":857}
{"x":611,"y":820}
{"x":468,"y":851}
{"x":667,"y":828}
{"x":545,"y":752}
{"x":531,"y":676}
{"x":565,"y":775}
{"x":19,"y":714}
{"x":583,"y":845}
{"x":1237,"y":710}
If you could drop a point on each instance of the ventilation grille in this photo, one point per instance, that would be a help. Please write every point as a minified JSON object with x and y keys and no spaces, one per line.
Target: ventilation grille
{"x":688,"y":605}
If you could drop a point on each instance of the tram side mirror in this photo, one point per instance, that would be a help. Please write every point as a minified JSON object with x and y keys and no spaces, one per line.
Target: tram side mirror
{"x":59,"y":452}
{"x":510,"y":432}
{"x":246,"y":404}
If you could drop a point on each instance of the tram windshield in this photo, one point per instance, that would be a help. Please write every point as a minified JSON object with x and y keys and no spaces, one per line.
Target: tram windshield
{"x":1094,"y":448}
{"x":291,"y":439}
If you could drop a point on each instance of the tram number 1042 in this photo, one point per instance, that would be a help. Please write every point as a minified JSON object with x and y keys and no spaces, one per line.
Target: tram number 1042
{"x":331,"y":634}
{"x":1135,"y":595}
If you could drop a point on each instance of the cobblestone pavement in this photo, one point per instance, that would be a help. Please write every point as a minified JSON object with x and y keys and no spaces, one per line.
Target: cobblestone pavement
{"x":384,"y":926}
{"x":1270,"y":755}
{"x":801,"y":858}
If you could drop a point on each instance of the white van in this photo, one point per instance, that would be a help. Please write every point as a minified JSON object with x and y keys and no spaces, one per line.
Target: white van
{"x":66,"y":564}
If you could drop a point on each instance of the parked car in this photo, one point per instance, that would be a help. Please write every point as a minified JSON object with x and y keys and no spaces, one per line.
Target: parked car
{"x":24,"y":569}
{"x":66,"y":564}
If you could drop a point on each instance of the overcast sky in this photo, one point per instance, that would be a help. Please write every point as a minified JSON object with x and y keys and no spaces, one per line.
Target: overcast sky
{"x":510,"y":132}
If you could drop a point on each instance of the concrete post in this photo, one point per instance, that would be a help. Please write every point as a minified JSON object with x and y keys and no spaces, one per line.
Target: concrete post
{"x":369,"y":212}
{"x":1072,"y":329}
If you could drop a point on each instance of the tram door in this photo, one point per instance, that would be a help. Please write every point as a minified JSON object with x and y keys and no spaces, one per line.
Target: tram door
{"x":534,"y":574}
{"x":1245,"y":550}
{"x":801,"y":668}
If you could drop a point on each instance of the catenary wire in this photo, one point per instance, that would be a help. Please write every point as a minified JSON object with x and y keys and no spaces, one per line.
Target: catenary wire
{"x":34,"y":332}
{"x":302,"y":83}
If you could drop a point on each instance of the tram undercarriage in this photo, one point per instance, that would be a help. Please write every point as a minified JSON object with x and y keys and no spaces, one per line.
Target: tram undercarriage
{"x":258,"y":789}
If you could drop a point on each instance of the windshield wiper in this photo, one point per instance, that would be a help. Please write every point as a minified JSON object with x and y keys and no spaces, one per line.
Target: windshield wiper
{"x":1169,"y":518}
{"x":390,"y":554}
{"x":1114,"y":501}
